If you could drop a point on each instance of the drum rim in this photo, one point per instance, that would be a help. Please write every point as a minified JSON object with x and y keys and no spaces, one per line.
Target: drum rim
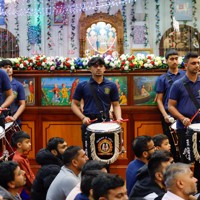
{"x":104,"y":131}
{"x":190,"y":127}
{"x":11,"y":123}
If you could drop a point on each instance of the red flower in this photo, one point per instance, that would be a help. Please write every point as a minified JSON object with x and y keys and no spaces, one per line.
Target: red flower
{"x":38,"y":63}
{"x":24,"y":63}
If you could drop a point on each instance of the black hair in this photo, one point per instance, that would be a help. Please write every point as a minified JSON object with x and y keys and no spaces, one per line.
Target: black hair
{"x":105,"y":182}
{"x":19,"y":137}
{"x":54,"y":142}
{"x":70,"y":153}
{"x":6,"y":62}
{"x":96,"y":60}
{"x":156,"y":160}
{"x":93,"y":165}
{"x":170,"y":52}
{"x":140,"y":144}
{"x":86,"y":181}
{"x":158,"y":139}
{"x":190,"y":55}
{"x":7,"y":173}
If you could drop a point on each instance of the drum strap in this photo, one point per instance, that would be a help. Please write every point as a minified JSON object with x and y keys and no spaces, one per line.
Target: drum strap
{"x":191,"y":95}
{"x":98,"y":103}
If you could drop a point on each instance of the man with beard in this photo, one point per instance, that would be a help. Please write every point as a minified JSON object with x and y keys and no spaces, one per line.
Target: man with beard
{"x":50,"y":158}
{"x":12,"y":180}
{"x":143,"y":148}
{"x":98,"y":95}
{"x":179,"y":181}
{"x":74,"y":158}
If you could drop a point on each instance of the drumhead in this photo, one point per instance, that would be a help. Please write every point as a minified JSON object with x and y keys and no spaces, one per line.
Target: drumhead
{"x":195,"y":127}
{"x":103,"y":127}
{"x":8,"y":125}
{"x":2,"y":132}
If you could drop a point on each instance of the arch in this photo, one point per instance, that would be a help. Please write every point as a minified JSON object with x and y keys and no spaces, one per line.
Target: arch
{"x":8,"y":44}
{"x":188,"y":39}
{"x":116,"y":21}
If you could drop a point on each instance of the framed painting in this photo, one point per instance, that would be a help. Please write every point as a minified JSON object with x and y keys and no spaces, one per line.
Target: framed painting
{"x":58,"y":91}
{"x":144,"y":90}
{"x":29,"y":89}
{"x":60,"y":16}
{"x":183,"y":10}
{"x":121,"y":82}
{"x":144,"y":51}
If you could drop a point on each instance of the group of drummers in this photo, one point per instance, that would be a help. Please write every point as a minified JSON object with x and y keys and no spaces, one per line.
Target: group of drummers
{"x":178,"y":98}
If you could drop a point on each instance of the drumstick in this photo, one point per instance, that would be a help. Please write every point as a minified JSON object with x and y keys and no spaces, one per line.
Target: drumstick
{"x":93,"y":120}
{"x":2,"y":109}
{"x":121,"y":120}
{"x":194,"y":115}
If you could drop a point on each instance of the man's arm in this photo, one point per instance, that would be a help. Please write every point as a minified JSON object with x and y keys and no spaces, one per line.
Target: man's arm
{"x":20,"y":110}
{"x":77,"y":111}
{"x":161,"y":107}
{"x":9,"y":99}
{"x":117,"y":110}
{"x":172,"y":109}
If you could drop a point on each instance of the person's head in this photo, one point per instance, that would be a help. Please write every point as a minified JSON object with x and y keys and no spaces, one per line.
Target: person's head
{"x":94,"y":165}
{"x":11,"y":176}
{"x":191,"y":62}
{"x":7,"y":66}
{"x":171,"y":57}
{"x":97,"y":66}
{"x":161,"y":142}
{"x":21,"y":140}
{"x":86,"y":181}
{"x":143,"y":147}
{"x":57,"y":146}
{"x":75,"y":158}
{"x":109,"y":187}
{"x":179,"y":180}
{"x":157,"y":165}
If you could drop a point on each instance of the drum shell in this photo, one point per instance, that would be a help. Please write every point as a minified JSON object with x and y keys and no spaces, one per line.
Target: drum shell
{"x":105,"y":139}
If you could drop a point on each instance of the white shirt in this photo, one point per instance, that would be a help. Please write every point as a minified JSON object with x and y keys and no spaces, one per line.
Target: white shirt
{"x":171,"y":196}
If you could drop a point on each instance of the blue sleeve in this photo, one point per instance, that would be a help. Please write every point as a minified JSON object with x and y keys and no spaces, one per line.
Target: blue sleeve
{"x":21,"y":92}
{"x":6,"y":85}
{"x":160,"y":84}
{"x":174,"y":91}
{"x":114,"y":93}
{"x":78,"y":92}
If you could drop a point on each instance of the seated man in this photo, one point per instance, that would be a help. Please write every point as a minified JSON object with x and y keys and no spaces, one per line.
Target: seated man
{"x":108,"y":187}
{"x":150,"y":182}
{"x":143,"y":147}
{"x":50,"y":159}
{"x":179,"y":181}
{"x":12,"y":180}
{"x":74,"y":158}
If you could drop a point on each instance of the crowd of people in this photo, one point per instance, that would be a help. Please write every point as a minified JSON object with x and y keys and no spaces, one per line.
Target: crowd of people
{"x":157,"y":172}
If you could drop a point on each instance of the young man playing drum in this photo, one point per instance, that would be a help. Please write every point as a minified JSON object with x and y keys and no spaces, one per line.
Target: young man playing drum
{"x":163,"y":86}
{"x":98,"y":95}
{"x":184,"y":104}
{"x":18,"y":105}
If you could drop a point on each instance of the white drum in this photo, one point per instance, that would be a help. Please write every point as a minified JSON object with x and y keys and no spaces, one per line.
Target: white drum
{"x":2,"y":132}
{"x":104,"y":141}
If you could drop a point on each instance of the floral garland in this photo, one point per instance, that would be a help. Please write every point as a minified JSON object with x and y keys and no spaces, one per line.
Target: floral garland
{"x":60,"y":34}
{"x":171,"y":6}
{"x":146,"y":34}
{"x":49,"y":36}
{"x":17,"y":20}
{"x":97,"y":6}
{"x":108,"y":6}
{"x":83,"y":5}
{"x":73,"y":26}
{"x":133,"y":19}
{"x":126,"y":63}
{"x":157,"y":21}
{"x":39,"y":3}
{"x":194,"y":11}
{"x":125,"y":22}
{"x":28,"y":2}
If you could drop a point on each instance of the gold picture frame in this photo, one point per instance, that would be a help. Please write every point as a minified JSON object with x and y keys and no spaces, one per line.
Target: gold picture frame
{"x":144,"y":51}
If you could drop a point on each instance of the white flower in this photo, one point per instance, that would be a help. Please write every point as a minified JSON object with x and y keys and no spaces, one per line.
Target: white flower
{"x":21,"y":66}
{"x":126,"y":67}
{"x":72,"y":67}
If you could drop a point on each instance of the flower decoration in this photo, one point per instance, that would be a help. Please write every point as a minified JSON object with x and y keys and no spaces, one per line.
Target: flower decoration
{"x":146,"y":33}
{"x":126,"y":63}
{"x":157,"y":15}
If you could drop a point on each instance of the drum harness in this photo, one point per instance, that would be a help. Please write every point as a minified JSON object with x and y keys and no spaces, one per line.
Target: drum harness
{"x":196,"y":103}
